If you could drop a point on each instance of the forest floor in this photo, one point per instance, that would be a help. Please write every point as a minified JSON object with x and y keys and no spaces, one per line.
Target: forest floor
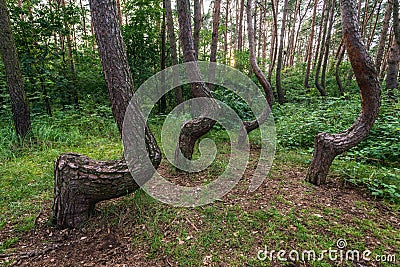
{"x":284,"y":213}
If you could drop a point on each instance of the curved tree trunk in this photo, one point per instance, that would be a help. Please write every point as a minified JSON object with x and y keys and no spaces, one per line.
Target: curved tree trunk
{"x":191,"y":130}
{"x":328,"y":146}
{"x":81,"y":182}
{"x":15,"y":82}
{"x":252,"y":125}
{"x":253,"y":60}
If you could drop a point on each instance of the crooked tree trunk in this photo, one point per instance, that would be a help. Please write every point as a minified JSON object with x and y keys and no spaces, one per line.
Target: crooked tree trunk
{"x":328,"y":146}
{"x":172,"y":45}
{"x":253,"y":60}
{"x":81,"y":182}
{"x":15,"y":83}
{"x":191,"y":130}
{"x":252,"y":125}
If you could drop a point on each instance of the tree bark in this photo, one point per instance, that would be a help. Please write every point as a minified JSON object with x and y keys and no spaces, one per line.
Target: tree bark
{"x":383,"y":36}
{"x":320,"y":88}
{"x":337,"y":70}
{"x":196,"y":26}
{"x":392,"y":66}
{"x":214,"y":38}
{"x":328,"y":146}
{"x":327,"y":45}
{"x":81,"y":182}
{"x":281,"y":95}
{"x":274,"y":39}
{"x":252,"y":125}
{"x":163,"y":100}
{"x":240,"y":34}
{"x":15,"y":82}
{"x":253,"y":60}
{"x":172,"y":45}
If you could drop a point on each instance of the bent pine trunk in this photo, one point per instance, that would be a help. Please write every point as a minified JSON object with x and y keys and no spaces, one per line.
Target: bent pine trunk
{"x":328,"y":146}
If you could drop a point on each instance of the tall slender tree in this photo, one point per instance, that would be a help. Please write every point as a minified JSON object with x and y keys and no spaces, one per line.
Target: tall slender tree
{"x":15,"y":82}
{"x":172,"y":45}
{"x":279,"y":89}
{"x":383,"y":35}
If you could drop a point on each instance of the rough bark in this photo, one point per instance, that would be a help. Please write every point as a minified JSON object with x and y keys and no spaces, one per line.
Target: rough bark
{"x":383,"y":36}
{"x":281,"y":95}
{"x":172,"y":45}
{"x":328,"y":146}
{"x":15,"y":83}
{"x":81,"y":182}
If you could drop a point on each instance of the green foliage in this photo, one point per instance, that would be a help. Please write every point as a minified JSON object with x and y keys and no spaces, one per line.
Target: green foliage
{"x":142,"y":38}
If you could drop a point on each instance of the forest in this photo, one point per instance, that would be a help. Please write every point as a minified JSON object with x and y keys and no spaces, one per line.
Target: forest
{"x":199,"y":133}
